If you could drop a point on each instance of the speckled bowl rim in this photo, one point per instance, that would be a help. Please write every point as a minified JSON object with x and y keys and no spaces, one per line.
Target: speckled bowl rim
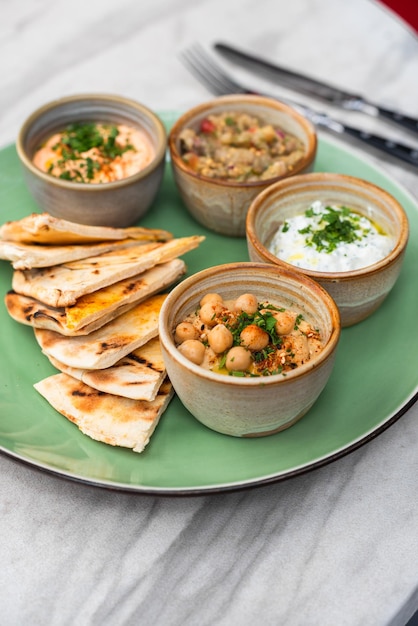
{"x":368,"y":270}
{"x":160,"y":151}
{"x":167,"y":340}
{"x":183,"y":121}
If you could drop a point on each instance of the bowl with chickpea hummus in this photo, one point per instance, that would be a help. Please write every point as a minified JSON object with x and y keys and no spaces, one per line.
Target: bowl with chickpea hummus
{"x":95,"y":159}
{"x":344,"y":232}
{"x":226,"y":151}
{"x":248,"y":347}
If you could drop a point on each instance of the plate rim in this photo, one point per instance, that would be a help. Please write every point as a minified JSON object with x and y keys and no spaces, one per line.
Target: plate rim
{"x":226,"y":487}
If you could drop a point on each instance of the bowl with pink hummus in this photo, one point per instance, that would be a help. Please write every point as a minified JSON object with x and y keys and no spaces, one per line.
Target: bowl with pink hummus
{"x":95,"y":159}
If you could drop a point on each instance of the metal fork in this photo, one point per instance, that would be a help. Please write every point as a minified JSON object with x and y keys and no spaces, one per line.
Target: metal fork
{"x":218,"y":82}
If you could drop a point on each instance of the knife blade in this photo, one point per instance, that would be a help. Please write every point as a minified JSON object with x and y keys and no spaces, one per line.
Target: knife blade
{"x":315,"y":88}
{"x":220,"y":83}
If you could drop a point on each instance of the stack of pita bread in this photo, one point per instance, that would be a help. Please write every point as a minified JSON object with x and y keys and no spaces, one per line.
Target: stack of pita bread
{"x":93,"y":296}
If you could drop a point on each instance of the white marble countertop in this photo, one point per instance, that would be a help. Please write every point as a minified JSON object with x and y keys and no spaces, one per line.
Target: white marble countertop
{"x":337,"y":546}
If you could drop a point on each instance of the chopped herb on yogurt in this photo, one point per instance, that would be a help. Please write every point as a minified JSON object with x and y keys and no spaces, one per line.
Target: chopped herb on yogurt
{"x":330,"y":239}
{"x":331,"y":227}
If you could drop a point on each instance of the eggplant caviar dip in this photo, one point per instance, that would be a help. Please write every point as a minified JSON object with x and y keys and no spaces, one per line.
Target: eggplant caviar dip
{"x":239,"y":147}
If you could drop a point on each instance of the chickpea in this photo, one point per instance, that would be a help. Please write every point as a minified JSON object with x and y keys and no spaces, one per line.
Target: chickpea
{"x":220,"y":338}
{"x":185,"y":331}
{"x":254,"y":338}
{"x":209,"y":313}
{"x":238,"y":359}
{"x":193,"y":350}
{"x":285,"y":322}
{"x":212,"y":298}
{"x":247,"y":303}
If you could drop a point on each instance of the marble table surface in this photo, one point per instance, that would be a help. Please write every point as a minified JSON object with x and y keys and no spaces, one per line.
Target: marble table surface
{"x":336,"y":546}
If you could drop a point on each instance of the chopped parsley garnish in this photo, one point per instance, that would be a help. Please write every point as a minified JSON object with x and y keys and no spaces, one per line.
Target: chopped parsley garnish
{"x":80,"y":138}
{"x":264,"y":320}
{"x":298,"y":320}
{"x":334,"y":226}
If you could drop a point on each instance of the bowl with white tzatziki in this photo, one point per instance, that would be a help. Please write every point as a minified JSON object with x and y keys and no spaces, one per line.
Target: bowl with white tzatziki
{"x":344,"y":232}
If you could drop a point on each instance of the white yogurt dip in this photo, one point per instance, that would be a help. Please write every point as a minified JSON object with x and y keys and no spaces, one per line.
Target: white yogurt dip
{"x":330,"y":239}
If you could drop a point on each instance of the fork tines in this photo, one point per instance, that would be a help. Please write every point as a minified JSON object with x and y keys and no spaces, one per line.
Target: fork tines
{"x":209,"y":73}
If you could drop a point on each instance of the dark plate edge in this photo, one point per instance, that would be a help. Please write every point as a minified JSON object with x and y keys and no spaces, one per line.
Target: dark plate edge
{"x":202,"y":491}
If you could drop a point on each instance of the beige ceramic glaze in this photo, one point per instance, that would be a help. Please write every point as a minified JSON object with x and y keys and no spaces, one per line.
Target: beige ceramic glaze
{"x":220,"y":205}
{"x":358,"y":293}
{"x":120,"y":203}
{"x":250,"y":407}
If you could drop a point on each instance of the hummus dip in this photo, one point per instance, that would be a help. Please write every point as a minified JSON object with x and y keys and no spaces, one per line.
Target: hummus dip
{"x":245,"y":337}
{"x":95,"y":153}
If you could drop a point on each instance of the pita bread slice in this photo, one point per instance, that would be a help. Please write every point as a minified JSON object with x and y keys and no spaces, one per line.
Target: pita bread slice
{"x":138,"y":375}
{"x":105,"y":346}
{"x":111,"y":419}
{"x":62,"y":285}
{"x":94,"y":310}
{"x":46,"y":229}
{"x":24,"y":256}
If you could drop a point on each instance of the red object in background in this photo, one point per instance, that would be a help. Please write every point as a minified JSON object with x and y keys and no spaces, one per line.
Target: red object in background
{"x":407,"y":10}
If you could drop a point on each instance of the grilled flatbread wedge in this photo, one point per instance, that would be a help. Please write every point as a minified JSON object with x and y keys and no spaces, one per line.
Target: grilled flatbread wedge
{"x":138,"y":375}
{"x":111,"y":419}
{"x":62,"y":285}
{"x":110,"y":343}
{"x":24,"y":256}
{"x":46,"y":229}
{"x":96,"y":309}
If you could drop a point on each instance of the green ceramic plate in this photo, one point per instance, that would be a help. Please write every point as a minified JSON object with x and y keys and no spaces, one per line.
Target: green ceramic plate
{"x":373,"y":383}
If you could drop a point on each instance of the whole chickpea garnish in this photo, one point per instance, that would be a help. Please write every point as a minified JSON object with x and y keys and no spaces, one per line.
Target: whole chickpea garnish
{"x":209,"y":313}
{"x":220,"y":338}
{"x":211,"y":298}
{"x":285,"y":322}
{"x":254,"y":338}
{"x":193,"y":349}
{"x":184,"y":331}
{"x":247,"y":303}
{"x":238,"y":359}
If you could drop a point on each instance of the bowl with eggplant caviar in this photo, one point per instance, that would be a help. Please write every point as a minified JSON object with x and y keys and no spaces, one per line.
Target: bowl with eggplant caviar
{"x":95,"y":159}
{"x":342,"y":231}
{"x":226,"y":151}
{"x":248,"y":347}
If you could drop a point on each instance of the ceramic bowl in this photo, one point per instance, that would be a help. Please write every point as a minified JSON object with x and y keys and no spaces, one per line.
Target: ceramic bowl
{"x":255,"y":406}
{"x":222,"y":205}
{"x":118,"y":203}
{"x":358,"y":293}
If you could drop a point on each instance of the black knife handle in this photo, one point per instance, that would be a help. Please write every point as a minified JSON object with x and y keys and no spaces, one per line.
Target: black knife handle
{"x":394,"y":149}
{"x":408,"y":123}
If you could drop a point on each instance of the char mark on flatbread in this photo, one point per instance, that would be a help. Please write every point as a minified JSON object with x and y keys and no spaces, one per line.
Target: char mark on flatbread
{"x":62,"y":285}
{"x":107,"y":345}
{"x":104,"y":417}
{"x":94,"y":310}
{"x":139,"y":375}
